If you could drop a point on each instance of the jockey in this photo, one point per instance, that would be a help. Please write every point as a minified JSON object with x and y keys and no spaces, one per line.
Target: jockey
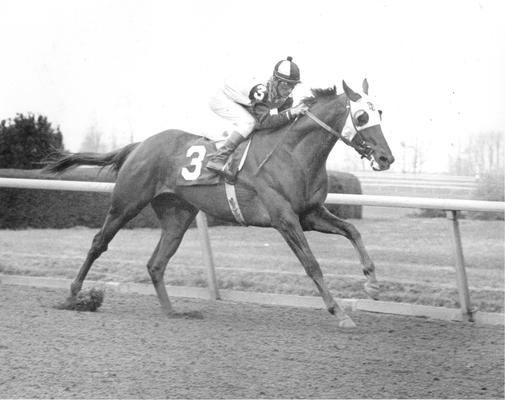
{"x":254,"y":106}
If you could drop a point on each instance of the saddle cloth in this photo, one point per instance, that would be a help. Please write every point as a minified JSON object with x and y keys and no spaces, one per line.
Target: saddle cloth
{"x":193,"y":171}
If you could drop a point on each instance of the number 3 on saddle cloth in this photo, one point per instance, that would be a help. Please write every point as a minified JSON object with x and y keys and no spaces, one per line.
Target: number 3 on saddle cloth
{"x":193,"y":171}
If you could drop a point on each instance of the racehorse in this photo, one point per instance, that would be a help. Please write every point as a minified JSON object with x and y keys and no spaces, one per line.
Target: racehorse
{"x":282,"y":184}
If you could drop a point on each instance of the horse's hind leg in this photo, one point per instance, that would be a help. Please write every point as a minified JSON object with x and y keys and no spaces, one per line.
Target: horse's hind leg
{"x":322,"y":220}
{"x":118,"y":215}
{"x":175,"y":216}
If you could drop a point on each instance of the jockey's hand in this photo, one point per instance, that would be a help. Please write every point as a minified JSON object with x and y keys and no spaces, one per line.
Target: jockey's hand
{"x":300,"y":109}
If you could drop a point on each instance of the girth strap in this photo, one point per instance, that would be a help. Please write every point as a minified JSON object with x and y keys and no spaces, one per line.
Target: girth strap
{"x":231,"y":196}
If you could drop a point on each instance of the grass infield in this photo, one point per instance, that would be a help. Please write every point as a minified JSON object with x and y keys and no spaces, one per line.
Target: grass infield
{"x":414,"y":259}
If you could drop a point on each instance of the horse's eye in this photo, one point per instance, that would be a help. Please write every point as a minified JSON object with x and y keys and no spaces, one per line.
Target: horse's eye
{"x":361,"y":117}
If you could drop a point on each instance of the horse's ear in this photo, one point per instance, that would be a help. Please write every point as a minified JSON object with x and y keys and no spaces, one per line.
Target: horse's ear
{"x":353,"y":96}
{"x":365,"y":86}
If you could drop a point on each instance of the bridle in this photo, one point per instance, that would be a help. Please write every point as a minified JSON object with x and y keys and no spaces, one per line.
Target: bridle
{"x":360,"y":145}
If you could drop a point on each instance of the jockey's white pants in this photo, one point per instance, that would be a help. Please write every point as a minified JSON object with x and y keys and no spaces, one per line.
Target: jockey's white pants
{"x":240,"y":119}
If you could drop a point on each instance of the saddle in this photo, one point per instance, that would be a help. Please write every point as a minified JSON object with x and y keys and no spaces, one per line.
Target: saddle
{"x":193,"y":171}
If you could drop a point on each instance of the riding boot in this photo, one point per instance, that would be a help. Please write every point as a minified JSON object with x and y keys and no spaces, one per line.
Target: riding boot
{"x":217,"y":161}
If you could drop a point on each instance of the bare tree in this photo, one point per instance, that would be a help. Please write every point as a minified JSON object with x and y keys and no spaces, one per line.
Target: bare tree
{"x":491,"y":146}
{"x":413,"y":157}
{"x":113,"y":142}
{"x":482,"y":153}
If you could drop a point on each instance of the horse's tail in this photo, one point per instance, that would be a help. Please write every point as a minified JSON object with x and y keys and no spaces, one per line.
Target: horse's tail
{"x":114,"y":158}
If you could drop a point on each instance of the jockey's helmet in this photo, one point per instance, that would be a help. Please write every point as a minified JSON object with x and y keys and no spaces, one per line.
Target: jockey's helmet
{"x":286,"y":70}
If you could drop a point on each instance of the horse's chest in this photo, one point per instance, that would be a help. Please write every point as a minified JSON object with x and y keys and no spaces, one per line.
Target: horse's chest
{"x":308,"y":196}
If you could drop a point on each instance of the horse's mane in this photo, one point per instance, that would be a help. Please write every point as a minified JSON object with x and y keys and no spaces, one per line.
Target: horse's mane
{"x":319,"y":94}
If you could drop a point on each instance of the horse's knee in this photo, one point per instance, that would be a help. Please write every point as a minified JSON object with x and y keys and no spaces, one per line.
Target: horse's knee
{"x":98,"y":246}
{"x":155,"y":272}
{"x":95,"y":251}
{"x":351,"y":231}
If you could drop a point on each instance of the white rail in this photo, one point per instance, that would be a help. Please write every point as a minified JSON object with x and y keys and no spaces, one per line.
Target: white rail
{"x":47,"y":184}
{"x":416,"y":202}
{"x":333,"y":198}
{"x":452,"y":206}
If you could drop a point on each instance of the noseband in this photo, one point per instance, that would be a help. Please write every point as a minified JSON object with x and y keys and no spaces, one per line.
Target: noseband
{"x":360,"y":145}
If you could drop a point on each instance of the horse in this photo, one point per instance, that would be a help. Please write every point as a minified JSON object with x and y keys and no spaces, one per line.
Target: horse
{"x":282,"y":184}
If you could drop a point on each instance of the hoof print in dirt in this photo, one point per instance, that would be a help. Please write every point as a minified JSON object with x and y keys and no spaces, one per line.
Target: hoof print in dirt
{"x":86,"y":300}
{"x":187,"y":315}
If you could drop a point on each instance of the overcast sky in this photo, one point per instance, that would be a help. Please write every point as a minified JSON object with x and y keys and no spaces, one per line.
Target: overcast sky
{"x":134,"y":68}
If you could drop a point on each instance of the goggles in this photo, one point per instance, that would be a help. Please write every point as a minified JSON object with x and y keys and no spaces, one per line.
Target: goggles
{"x":285,"y":85}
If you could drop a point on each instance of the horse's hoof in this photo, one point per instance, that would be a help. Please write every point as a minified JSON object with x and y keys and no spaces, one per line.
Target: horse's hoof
{"x":89,"y":300}
{"x":346,"y":323}
{"x":372,"y":289}
{"x":68,"y":304}
{"x":193,"y":315}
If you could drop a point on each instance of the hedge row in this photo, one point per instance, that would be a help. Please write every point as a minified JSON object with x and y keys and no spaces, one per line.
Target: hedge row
{"x":28,"y":208}
{"x":490,"y":187}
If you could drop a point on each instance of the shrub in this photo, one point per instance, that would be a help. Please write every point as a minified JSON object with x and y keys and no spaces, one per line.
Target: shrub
{"x":26,"y":141}
{"x":430,"y":213}
{"x":37,"y":208}
{"x":490,"y":187}
{"x":343,"y":182}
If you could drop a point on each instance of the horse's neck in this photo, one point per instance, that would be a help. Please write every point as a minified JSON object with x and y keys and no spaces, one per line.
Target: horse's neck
{"x":310,"y":143}
{"x":306,"y":145}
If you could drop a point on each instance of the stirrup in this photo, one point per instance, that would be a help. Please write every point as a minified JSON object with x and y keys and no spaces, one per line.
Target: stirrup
{"x":225,"y":172}
{"x":216,"y":166}
{"x":228,"y":175}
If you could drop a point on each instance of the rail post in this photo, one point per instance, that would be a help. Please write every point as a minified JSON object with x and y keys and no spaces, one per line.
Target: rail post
{"x":201,"y":222}
{"x":461,"y":279}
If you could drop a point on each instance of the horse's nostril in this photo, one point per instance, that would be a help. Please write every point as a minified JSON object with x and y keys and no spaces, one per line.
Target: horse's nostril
{"x":389,"y":160}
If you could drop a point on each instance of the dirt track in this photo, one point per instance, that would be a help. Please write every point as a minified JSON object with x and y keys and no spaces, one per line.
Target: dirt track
{"x":127,"y":350}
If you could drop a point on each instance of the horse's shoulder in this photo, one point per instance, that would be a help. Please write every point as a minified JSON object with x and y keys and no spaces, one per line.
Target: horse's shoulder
{"x":269,"y":135}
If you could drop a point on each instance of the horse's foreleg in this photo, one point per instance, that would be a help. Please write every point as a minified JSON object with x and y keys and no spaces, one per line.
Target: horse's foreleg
{"x":175,"y":220}
{"x":323,"y":221}
{"x":291,"y":230}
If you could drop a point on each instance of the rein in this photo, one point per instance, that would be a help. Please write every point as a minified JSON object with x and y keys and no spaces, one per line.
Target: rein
{"x":362,"y":148}
{"x":327,"y":127}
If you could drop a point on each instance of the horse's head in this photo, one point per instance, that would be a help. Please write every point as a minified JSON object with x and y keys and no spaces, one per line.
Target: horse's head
{"x":363,"y":130}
